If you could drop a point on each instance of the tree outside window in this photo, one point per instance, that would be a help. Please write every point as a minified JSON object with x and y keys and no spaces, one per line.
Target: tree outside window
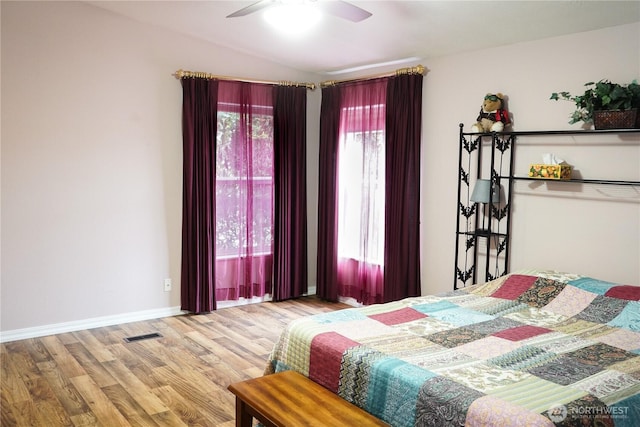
{"x":244,"y":177}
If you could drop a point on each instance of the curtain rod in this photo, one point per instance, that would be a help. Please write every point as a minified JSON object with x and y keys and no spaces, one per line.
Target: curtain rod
{"x":418,"y":69}
{"x":183,"y":74}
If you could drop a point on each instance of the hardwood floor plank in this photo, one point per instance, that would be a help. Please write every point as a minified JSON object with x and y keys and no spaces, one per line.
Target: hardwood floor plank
{"x":41,"y":391}
{"x":134,"y":363}
{"x":145,"y":354}
{"x":67,"y":338}
{"x":23,"y":363}
{"x":188,"y":323}
{"x":249,"y":358}
{"x":130,"y":407}
{"x":88,"y":419}
{"x":123,"y":352}
{"x":108,"y":335}
{"x":6,"y":413}
{"x":64,"y":360}
{"x":241,"y":334}
{"x":92,"y":367}
{"x":187,"y":345}
{"x":134,"y":385}
{"x":222,"y":374}
{"x":52,"y":413}
{"x":64,"y":390}
{"x":43,"y":401}
{"x":174,"y":354}
{"x":13,"y":388}
{"x":25,"y":413}
{"x":94,"y":346}
{"x":181,"y":409}
{"x":37,"y":351}
{"x":94,"y":378}
{"x":105,"y":411}
{"x":202,"y":396}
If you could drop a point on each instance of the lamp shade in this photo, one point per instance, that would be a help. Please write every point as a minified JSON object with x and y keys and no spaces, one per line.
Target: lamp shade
{"x":482,"y":192}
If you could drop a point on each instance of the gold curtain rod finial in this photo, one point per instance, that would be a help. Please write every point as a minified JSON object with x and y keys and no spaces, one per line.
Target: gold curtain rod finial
{"x":418,"y":69}
{"x":328,"y":83}
{"x":311,"y":86}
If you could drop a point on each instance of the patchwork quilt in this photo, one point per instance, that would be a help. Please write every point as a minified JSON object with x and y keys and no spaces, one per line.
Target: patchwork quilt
{"x":537,"y":348}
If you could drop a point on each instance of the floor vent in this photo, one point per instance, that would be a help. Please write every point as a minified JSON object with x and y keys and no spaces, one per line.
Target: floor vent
{"x":143,"y":337}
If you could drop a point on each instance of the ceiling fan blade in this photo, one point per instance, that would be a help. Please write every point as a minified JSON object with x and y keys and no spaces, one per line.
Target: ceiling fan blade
{"x":345,"y":10}
{"x":252,"y":8}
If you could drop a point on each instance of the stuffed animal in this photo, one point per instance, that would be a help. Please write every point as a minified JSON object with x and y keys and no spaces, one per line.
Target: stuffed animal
{"x":493,"y":117}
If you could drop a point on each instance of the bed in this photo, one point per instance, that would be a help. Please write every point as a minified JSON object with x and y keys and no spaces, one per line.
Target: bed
{"x":536,"y":348}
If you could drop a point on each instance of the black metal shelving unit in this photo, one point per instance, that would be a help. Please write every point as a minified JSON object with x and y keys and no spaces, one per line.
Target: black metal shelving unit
{"x":489,"y":245}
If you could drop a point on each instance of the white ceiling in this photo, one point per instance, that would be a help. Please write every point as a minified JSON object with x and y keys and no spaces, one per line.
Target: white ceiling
{"x":396,"y":31}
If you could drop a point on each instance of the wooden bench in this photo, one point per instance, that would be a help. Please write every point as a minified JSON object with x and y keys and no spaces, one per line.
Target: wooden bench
{"x":288,"y":399}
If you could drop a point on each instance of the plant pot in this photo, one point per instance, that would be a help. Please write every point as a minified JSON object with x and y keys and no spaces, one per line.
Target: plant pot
{"x":615,"y":119}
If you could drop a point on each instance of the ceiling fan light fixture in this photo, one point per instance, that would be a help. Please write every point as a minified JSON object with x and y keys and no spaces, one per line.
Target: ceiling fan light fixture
{"x":293,"y":17}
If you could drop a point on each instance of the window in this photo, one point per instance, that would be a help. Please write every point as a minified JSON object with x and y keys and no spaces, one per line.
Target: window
{"x":244,"y":181}
{"x":361,"y":195}
{"x":230,"y":216}
{"x":369,"y":194}
{"x":361,"y":184}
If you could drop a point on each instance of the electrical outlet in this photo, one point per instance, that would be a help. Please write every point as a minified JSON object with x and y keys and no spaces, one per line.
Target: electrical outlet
{"x":167,"y":285}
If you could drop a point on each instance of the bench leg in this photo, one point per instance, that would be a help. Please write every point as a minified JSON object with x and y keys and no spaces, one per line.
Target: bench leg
{"x":243,"y":417}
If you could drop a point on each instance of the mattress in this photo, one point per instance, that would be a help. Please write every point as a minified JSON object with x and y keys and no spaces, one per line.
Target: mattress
{"x":536,"y":348}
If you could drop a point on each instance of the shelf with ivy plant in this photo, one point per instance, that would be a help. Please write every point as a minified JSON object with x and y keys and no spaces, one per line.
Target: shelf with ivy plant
{"x":605,"y":104}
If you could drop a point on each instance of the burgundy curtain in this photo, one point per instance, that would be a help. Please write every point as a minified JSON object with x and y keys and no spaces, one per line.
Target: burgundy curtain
{"x":327,"y":268}
{"x":402,"y":205}
{"x":199,"y":111}
{"x":290,"y":192}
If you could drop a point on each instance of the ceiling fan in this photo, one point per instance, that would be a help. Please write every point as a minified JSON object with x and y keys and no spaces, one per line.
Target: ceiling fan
{"x":339,"y":8}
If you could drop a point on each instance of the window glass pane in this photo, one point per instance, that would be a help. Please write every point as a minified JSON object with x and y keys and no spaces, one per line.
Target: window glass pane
{"x":361,"y":196}
{"x":244,"y":181}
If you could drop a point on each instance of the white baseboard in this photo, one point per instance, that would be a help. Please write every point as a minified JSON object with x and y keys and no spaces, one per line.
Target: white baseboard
{"x":96,"y":322}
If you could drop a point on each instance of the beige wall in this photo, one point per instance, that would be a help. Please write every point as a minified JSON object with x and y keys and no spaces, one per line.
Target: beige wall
{"x":92,"y":161}
{"x":91,"y":158}
{"x":565,"y":228}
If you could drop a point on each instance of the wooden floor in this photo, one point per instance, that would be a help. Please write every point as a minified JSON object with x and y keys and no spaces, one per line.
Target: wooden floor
{"x":95,"y":378}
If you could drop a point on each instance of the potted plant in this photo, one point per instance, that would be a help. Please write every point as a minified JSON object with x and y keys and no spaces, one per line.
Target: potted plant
{"x":608,"y":105}
{"x":634,"y":88}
